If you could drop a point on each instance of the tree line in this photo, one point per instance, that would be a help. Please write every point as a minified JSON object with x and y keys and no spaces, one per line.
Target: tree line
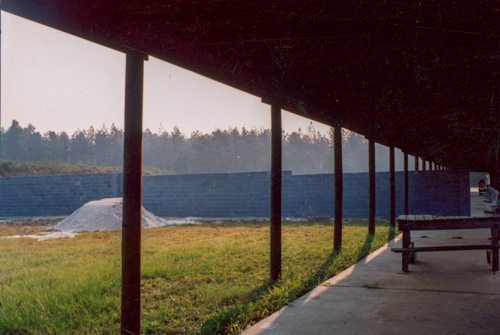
{"x":231,"y":150}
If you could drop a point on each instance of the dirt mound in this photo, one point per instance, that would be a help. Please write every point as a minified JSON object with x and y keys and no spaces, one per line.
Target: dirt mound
{"x":105,"y":214}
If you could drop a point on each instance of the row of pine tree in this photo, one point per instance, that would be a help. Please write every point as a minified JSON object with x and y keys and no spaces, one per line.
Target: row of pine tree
{"x":230,"y":150}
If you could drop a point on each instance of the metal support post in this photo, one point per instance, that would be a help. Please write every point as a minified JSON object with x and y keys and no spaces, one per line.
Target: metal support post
{"x":406,"y":183}
{"x":392,"y":177}
{"x":276,"y":162}
{"x":494,"y":241}
{"x":495,"y":176}
{"x":371,"y":186}
{"x":132,"y":196}
{"x":406,"y":255}
{"x":337,"y":235}
{"x":424,"y":164}
{"x":416,"y":163}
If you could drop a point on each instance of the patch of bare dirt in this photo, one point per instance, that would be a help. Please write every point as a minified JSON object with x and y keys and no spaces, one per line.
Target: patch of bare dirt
{"x":17,"y":229}
{"x":28,"y":225}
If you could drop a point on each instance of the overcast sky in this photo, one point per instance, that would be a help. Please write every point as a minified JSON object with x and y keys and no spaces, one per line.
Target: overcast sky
{"x":59,"y":82}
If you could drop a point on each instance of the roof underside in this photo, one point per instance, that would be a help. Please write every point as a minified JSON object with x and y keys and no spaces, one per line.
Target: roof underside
{"x":420,"y":76}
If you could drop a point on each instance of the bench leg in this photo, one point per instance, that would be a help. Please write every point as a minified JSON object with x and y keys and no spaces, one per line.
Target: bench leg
{"x":494,"y":241}
{"x":413,"y":254}
{"x":406,"y":255}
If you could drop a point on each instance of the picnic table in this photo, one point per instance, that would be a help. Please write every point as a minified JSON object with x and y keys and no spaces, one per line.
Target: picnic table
{"x":408,"y":223}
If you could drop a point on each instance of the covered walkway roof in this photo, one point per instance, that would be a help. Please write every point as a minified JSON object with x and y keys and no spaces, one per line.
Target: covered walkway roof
{"x":420,"y":76}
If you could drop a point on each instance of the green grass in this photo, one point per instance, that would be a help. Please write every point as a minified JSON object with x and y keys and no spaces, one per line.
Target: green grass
{"x":208,"y":279}
{"x":372,"y":285}
{"x":18,"y":169}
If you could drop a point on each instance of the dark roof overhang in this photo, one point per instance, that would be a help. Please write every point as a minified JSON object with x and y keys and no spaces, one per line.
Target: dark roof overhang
{"x":420,"y":76}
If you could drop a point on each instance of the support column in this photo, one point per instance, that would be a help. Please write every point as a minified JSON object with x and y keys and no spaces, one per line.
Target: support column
{"x":416,"y":163}
{"x":494,"y":241}
{"x":337,"y":142}
{"x":132,"y":195}
{"x":392,"y":177}
{"x":423,"y":164}
{"x":276,"y":162}
{"x":406,"y":183}
{"x":371,"y":187}
{"x":495,"y":176}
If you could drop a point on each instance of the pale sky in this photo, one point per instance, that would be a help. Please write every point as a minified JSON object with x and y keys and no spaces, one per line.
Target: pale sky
{"x":59,"y":82}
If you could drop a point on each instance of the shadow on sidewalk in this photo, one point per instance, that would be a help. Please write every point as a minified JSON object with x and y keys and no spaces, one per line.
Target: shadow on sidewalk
{"x":226,"y":318}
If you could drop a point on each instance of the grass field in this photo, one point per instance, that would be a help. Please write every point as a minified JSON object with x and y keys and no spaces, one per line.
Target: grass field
{"x":22,"y":169}
{"x":206,"y":279}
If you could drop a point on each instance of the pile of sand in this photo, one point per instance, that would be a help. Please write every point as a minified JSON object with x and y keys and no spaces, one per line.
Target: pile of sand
{"x":105,"y":214}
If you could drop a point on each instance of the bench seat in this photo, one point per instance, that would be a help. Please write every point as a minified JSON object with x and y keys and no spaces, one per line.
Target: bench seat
{"x":408,"y":223}
{"x":448,"y":248}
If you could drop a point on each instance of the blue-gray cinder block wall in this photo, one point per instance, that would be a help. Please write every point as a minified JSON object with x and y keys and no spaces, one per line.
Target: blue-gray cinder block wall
{"x":55,"y":195}
{"x":239,"y":194}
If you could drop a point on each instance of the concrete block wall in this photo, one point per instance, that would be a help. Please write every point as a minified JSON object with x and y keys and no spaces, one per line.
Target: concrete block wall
{"x":439,"y":192}
{"x":430,"y":192}
{"x":307,"y":195}
{"x":55,"y":195}
{"x":208,"y":195}
{"x":355,"y":202}
{"x":239,"y":194}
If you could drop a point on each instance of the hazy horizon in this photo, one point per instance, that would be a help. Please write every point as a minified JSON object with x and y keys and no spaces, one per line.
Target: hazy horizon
{"x":59,"y":82}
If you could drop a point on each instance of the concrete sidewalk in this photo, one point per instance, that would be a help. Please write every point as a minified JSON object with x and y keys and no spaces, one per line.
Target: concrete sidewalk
{"x":444,"y":293}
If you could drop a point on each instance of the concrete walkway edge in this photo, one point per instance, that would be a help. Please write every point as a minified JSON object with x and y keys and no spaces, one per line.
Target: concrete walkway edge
{"x":444,"y":293}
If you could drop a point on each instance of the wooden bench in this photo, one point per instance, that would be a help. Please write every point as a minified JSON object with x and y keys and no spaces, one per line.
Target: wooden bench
{"x":408,"y":223}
